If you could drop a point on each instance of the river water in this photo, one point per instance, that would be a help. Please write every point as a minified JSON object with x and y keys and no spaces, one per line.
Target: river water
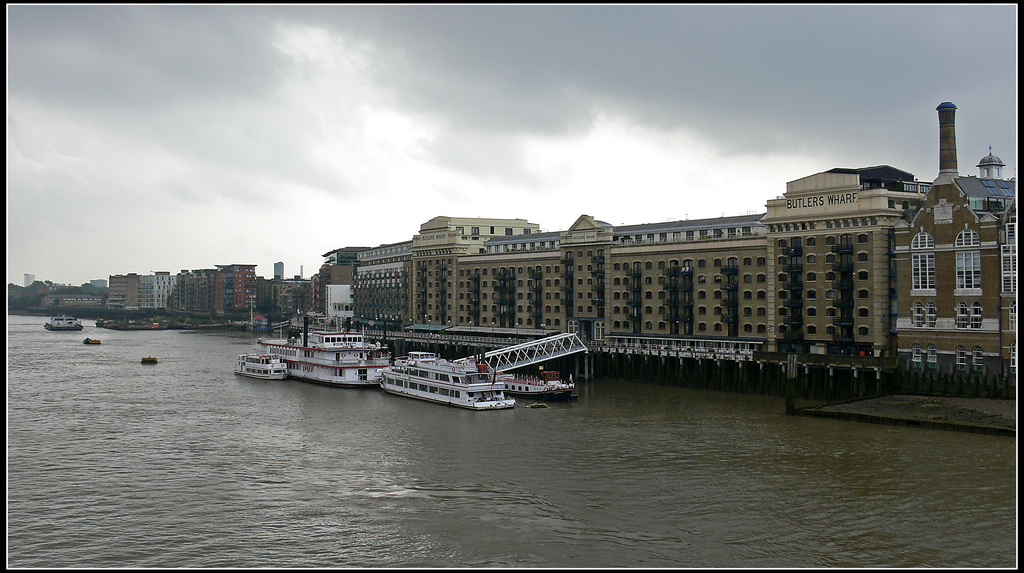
{"x":112,"y":463}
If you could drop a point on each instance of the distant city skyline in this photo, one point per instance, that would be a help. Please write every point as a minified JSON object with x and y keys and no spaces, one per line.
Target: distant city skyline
{"x":182,"y":137}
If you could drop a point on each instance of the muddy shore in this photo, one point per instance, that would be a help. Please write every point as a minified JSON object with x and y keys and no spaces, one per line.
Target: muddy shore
{"x":928,"y":411}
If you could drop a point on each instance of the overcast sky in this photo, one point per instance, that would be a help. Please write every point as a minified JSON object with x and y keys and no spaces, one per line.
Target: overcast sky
{"x":164,"y":138}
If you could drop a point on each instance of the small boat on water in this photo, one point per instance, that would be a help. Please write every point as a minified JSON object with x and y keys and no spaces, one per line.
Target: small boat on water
{"x":90,"y":341}
{"x":63,"y":323}
{"x":262,"y":366}
{"x":149,"y":360}
{"x":464,"y":383}
{"x":548,"y":386}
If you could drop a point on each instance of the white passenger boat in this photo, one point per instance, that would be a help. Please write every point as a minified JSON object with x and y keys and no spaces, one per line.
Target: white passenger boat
{"x":262,"y":366}
{"x":465,"y":383}
{"x":63,"y":323}
{"x":548,"y":386}
{"x":332,"y":358}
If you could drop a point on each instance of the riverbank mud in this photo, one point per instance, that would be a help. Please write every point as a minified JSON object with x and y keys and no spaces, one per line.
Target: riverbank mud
{"x":984,"y":415}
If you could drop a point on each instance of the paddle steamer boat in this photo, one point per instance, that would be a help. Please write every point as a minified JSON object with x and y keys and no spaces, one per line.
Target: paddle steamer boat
{"x":344,"y":359}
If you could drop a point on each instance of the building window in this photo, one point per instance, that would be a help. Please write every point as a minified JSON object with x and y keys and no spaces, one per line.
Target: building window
{"x":922,"y":240}
{"x":933,"y":356}
{"x":931,"y":314}
{"x":963,"y":315}
{"x":978,"y":359}
{"x":915,"y":355}
{"x":961,"y":358}
{"x":968,"y":269}
{"x":967,"y":238}
{"x":917,"y":314}
{"x":923,"y":271}
{"x":976,"y":315}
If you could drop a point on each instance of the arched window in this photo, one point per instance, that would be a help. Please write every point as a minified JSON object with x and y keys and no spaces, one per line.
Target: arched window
{"x":922,"y":240}
{"x":931,"y":314}
{"x":967,"y":238}
{"x":1013,"y":315}
{"x":976,"y":315}
{"x":977,"y":359}
{"x":961,"y":358}
{"x":917,"y":314}
{"x":933,"y":356}
{"x":963,"y":315}
{"x":915,"y":355}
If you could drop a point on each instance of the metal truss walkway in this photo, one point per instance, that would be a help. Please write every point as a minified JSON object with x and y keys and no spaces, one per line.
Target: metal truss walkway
{"x":512,"y":357}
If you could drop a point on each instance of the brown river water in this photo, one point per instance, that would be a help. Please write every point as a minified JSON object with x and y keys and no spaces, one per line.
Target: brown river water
{"x":111,"y":463}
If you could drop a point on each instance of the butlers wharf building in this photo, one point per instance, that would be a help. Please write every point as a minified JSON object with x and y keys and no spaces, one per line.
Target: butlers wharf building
{"x":825,"y":275}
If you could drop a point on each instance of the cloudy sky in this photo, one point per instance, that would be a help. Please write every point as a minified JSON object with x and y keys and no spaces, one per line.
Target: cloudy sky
{"x":165,"y":138}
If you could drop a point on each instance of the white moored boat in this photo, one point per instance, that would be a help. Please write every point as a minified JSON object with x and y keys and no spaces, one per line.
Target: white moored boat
{"x":548,"y":386}
{"x":465,"y":383}
{"x":262,"y":366}
{"x":333,"y":358}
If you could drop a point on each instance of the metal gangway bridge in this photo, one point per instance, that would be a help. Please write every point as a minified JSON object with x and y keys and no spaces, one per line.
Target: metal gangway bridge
{"x":534,"y":351}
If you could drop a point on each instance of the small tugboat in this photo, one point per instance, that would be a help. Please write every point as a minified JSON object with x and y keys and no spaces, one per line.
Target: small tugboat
{"x":90,"y":341}
{"x":465,"y":383}
{"x":262,"y":366}
{"x":548,"y":387}
{"x":149,"y":360}
{"x":63,"y":323}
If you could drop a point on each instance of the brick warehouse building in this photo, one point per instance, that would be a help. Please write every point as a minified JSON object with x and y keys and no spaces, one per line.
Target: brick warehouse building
{"x":824,"y":271}
{"x":956,"y":269}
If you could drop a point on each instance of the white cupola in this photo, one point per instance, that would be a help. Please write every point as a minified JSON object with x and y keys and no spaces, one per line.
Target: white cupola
{"x":991,"y":166}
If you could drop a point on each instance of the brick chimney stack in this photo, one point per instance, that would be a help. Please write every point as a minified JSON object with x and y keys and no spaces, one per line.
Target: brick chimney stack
{"x":947,"y":143}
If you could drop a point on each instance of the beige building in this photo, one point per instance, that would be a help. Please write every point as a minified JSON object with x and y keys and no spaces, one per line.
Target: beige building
{"x":831,"y":283}
{"x":435,"y":251}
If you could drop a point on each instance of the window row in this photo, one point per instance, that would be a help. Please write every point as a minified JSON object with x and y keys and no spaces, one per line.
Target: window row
{"x":968,"y":270}
{"x":966,"y":316}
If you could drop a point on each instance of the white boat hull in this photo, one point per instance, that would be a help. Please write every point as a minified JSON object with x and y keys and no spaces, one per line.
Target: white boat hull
{"x":442,"y":382}
{"x":261,"y":366}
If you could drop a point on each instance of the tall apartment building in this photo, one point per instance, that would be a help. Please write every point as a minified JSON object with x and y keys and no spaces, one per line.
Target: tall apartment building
{"x":956,"y":268}
{"x":193,"y":291}
{"x":234,"y":288}
{"x":226,"y":289}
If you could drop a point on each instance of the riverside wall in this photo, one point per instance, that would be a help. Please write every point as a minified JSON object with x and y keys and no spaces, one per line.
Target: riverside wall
{"x":813,"y":378}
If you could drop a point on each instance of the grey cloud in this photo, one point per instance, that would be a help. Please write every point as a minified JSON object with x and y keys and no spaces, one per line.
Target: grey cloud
{"x":137,"y":57}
